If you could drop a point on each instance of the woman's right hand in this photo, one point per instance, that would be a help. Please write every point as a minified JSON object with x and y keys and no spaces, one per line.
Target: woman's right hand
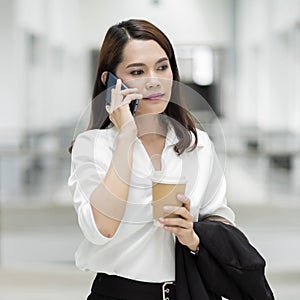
{"x":119,"y":110}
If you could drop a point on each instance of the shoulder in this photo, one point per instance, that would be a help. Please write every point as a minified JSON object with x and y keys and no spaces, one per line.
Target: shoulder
{"x":97,"y":134}
{"x":203,"y":139}
{"x":91,"y":138}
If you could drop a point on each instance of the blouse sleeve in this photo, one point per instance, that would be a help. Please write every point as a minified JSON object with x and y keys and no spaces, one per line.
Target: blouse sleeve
{"x":86,"y":174}
{"x":214,"y":199}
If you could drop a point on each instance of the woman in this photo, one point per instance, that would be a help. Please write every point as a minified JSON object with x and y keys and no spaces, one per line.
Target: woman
{"x":113,"y":161}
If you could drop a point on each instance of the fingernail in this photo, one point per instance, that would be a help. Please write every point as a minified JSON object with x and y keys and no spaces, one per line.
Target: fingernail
{"x":161,"y":220}
{"x":180,"y":197}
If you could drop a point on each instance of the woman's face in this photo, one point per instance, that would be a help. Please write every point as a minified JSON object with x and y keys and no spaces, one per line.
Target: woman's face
{"x":146,"y":66}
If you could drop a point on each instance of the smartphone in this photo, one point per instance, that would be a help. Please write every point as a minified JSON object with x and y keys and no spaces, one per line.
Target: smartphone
{"x":110,"y":84}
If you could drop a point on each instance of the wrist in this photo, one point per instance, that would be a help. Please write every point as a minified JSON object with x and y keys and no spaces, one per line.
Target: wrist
{"x":196,"y":243}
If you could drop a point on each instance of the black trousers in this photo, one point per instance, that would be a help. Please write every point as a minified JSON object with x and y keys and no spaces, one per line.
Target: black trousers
{"x":111,"y":287}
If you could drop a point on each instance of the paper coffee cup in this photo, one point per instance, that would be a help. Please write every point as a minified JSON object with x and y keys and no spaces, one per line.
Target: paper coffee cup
{"x":164,"y":193}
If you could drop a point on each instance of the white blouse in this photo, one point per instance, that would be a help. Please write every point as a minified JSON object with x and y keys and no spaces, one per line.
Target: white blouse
{"x":140,"y":250}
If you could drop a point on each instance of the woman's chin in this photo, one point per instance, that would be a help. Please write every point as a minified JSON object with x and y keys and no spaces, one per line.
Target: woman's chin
{"x":153,"y":107}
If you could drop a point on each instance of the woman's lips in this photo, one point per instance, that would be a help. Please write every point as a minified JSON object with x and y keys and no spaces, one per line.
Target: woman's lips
{"x":153,"y":97}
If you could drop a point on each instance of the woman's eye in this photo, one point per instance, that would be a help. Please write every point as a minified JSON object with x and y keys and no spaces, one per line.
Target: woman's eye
{"x":136,"y":72}
{"x":164,"y":67}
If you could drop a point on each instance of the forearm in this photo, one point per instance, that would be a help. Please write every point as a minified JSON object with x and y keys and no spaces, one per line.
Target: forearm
{"x":110,"y":197}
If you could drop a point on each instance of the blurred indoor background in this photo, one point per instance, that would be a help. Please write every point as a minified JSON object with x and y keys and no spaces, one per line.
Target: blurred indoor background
{"x":243,"y":56}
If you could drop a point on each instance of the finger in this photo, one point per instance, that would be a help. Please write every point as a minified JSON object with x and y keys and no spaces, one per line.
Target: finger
{"x":119,"y":85}
{"x":180,"y":211}
{"x":170,"y":209}
{"x":128,"y":91}
{"x":116,"y":97}
{"x":130,"y":98}
{"x":178,"y":231}
{"x":177,"y":222}
{"x":185,"y":200}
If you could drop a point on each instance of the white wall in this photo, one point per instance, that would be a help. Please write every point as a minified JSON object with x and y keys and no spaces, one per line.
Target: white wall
{"x":10,"y":115}
{"x":189,"y":21}
{"x":50,"y":90}
{"x":267,"y":78}
{"x":55,"y":87}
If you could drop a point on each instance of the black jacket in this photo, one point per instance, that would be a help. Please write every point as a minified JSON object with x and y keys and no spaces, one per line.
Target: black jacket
{"x":227,"y":265}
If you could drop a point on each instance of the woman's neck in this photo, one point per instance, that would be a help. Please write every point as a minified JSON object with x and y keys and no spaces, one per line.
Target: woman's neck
{"x":150,"y":126}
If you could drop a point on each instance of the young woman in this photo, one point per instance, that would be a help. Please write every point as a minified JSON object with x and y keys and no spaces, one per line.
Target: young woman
{"x":113,"y":161}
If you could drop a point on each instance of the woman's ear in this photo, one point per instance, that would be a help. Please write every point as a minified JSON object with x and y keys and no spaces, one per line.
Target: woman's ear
{"x":104,"y":77}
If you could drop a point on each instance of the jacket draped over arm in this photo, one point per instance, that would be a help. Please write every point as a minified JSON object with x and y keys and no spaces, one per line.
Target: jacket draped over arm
{"x":227,"y":265}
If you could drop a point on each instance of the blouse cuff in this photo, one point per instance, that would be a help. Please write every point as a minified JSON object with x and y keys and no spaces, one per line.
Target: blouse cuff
{"x":224,"y":212}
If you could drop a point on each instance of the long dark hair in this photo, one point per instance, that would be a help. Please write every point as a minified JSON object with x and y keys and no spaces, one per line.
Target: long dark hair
{"x":111,"y":55}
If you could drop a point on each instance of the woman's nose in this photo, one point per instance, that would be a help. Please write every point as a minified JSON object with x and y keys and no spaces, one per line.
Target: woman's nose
{"x":152,"y":82}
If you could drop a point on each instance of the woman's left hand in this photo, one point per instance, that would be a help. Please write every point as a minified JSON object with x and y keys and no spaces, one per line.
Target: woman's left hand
{"x":182,"y":226}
